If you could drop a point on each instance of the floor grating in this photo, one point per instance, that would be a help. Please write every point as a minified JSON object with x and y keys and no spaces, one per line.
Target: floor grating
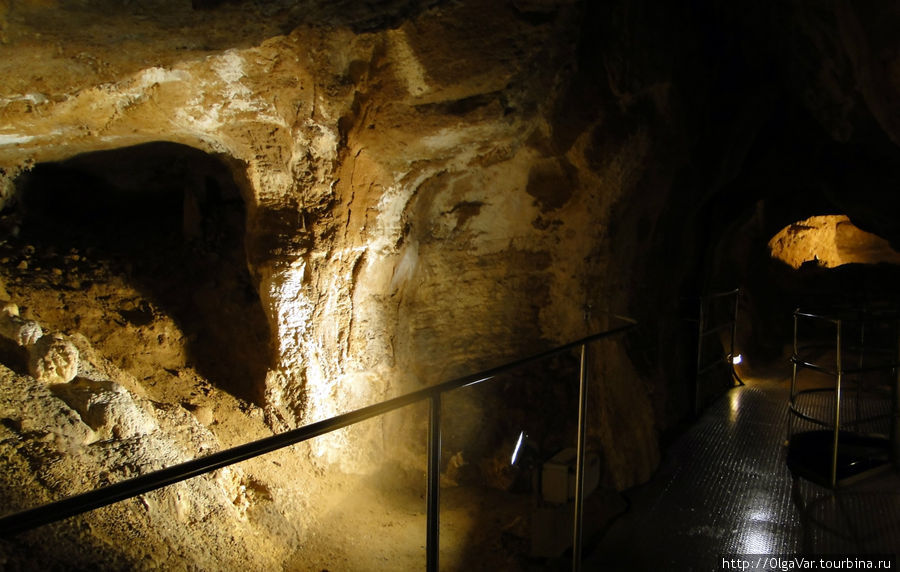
{"x":724,"y":489}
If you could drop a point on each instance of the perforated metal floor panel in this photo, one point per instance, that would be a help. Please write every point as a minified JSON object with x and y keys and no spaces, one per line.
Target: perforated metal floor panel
{"x":724,"y":489}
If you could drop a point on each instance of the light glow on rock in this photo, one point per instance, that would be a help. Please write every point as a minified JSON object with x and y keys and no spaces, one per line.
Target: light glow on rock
{"x":829,"y":241}
{"x":518,"y":446}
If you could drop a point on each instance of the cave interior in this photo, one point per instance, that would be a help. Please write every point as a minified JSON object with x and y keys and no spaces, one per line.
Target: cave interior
{"x":248,"y":217}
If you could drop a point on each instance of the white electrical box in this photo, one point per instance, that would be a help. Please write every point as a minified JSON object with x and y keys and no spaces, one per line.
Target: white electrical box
{"x":558,"y":476}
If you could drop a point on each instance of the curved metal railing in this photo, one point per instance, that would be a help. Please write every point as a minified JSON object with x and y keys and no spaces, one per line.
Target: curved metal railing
{"x":81,"y":503}
{"x":800,"y":359}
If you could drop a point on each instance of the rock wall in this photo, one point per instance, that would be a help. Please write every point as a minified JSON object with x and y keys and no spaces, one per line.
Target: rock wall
{"x":437,"y":187}
{"x":416,"y":209}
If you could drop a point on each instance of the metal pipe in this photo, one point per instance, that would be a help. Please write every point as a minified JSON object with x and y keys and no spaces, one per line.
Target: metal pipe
{"x":837,"y":410}
{"x":77,"y":504}
{"x":794,"y":360}
{"x":723,"y":294}
{"x":433,"y":504}
{"x":895,"y":399}
{"x":859,"y":366}
{"x":579,"y":460}
{"x":716,"y":329}
{"x":697,"y":405}
{"x":734,"y":375}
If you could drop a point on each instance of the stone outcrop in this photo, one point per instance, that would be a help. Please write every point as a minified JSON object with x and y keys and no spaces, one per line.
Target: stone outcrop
{"x":53,"y":359}
{"x":58,"y":440}
{"x":412,"y":216}
{"x":22,"y":332}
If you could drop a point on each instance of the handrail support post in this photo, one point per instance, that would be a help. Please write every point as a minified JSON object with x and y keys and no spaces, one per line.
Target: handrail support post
{"x":579,"y":460}
{"x":837,"y":408}
{"x":433,"y":503}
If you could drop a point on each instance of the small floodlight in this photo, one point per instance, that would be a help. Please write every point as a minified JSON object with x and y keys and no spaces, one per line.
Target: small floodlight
{"x":518,"y":446}
{"x":736,"y":359}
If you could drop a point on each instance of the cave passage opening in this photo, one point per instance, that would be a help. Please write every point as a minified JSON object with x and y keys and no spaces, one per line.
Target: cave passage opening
{"x":141,"y":249}
{"x":786,"y":256}
{"x":829,"y":241}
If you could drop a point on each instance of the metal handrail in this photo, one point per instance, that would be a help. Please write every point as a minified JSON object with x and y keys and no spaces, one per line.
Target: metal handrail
{"x":847,"y":370}
{"x":839,"y":371}
{"x":850,"y":316}
{"x":77,"y":504}
{"x":823,"y":317}
{"x":703,"y":331}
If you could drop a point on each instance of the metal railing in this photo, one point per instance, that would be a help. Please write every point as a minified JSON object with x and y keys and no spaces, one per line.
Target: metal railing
{"x":706,"y":330}
{"x":801,"y":360}
{"x":81,"y":503}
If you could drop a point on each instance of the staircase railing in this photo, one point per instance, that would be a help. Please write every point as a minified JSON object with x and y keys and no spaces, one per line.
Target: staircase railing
{"x":81,"y":503}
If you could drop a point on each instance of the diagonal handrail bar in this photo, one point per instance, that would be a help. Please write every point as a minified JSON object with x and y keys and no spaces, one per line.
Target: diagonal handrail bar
{"x":77,"y":504}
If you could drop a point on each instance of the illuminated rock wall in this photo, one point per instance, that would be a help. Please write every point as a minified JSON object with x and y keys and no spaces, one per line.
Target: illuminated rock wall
{"x":416,"y":212}
{"x":434,"y":187}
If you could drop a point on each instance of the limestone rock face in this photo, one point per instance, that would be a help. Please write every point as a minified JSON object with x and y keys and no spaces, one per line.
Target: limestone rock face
{"x":22,"y":332}
{"x":829,"y":241}
{"x":42,"y":413}
{"x":53,"y":359}
{"x":108,"y":409}
{"x":59,"y":440}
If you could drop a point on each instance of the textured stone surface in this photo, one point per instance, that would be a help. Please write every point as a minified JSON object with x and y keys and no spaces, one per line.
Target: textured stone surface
{"x":430,"y":188}
{"x":830,"y":241}
{"x":59,"y":440}
{"x":12,"y":326}
{"x":53,"y":359}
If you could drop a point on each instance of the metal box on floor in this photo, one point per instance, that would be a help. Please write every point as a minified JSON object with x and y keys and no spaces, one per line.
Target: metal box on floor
{"x":558,"y":476}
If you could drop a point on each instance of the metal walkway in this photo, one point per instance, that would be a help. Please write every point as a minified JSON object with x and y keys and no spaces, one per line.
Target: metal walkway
{"x":724,"y":489}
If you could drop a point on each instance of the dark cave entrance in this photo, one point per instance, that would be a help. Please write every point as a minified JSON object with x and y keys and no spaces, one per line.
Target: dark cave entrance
{"x":168,"y":220}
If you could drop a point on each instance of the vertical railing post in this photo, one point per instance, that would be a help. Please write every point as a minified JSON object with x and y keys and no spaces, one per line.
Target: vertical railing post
{"x":697,"y":392}
{"x":794,"y":359}
{"x":837,"y":409}
{"x":579,"y":460}
{"x":895,"y":399}
{"x":863,"y":317}
{"x":433,"y":503}
{"x":734,"y":320}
